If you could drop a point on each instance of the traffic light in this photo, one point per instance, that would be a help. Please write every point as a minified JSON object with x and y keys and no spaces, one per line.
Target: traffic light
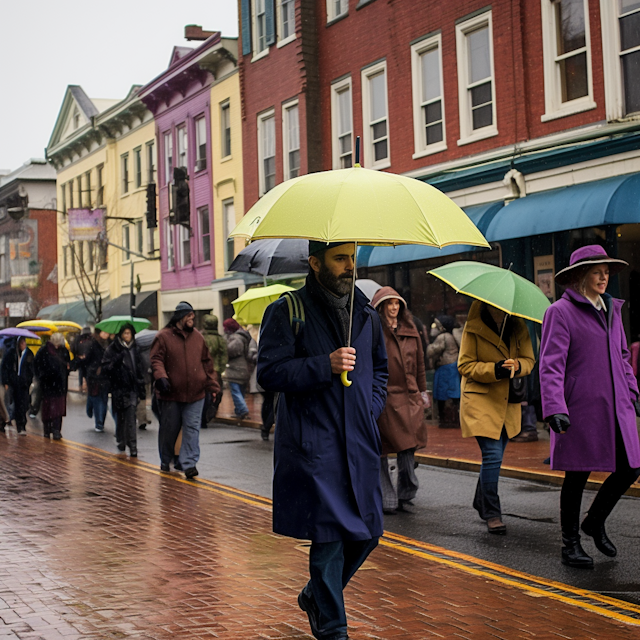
{"x":181,"y":202}
{"x":152,"y":214}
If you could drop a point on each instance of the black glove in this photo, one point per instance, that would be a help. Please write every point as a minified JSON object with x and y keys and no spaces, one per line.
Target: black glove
{"x":502,"y":372}
{"x":559,"y":422}
{"x":636,"y":405}
{"x":163,"y":385}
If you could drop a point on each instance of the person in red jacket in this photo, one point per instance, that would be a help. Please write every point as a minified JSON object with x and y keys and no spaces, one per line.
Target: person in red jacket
{"x":183,"y":372}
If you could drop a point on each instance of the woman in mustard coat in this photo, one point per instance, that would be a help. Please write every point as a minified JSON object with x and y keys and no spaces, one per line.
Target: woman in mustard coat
{"x":494,"y":348}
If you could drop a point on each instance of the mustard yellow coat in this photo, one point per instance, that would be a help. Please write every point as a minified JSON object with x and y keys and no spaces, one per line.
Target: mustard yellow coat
{"x":483,"y":398}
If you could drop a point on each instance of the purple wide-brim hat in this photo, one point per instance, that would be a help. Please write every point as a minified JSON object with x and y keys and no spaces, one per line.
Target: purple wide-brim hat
{"x":586,"y":256}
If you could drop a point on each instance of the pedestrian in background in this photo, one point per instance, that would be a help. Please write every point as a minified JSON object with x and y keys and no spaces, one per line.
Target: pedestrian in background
{"x":97,"y":380}
{"x":17,"y":374}
{"x":217,"y":346}
{"x":495,"y":348}
{"x":242,"y":352}
{"x":143,"y":417}
{"x":402,"y":425}
{"x":589,"y":398}
{"x":81,"y":346}
{"x":122,"y":364}
{"x":52,"y":365}
{"x":183,"y":372}
{"x":443,"y":353}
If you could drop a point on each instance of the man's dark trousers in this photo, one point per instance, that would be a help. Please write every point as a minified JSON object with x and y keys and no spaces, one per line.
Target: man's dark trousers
{"x":331,"y":566}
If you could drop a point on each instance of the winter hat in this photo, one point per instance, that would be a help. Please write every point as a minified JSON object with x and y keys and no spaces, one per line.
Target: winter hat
{"x":230,"y":325}
{"x":587,"y":256}
{"x":316,"y":247}
{"x":210,"y":322}
{"x":183,"y":309}
{"x":447,"y":323}
{"x":386,"y":293}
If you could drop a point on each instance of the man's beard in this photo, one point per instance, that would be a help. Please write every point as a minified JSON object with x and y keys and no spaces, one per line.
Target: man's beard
{"x":188,"y":328}
{"x":339,"y":285}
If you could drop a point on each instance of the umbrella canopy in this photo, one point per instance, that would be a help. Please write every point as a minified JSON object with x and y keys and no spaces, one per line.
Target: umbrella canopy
{"x":359,"y":205}
{"x":15,"y":332}
{"x":368,"y":287}
{"x":498,"y":287}
{"x":145,"y":337}
{"x":49,"y":327}
{"x":115,"y":323}
{"x":251,"y":305}
{"x":34,"y":328}
{"x":271,"y":257}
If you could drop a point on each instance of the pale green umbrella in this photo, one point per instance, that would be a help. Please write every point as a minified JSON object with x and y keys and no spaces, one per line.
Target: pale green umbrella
{"x":251,"y":305}
{"x":501,"y":288}
{"x":115,"y":323}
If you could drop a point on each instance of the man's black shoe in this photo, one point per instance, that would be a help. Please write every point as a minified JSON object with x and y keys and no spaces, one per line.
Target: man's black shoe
{"x":121,"y":447}
{"x":190,"y":473}
{"x":164,"y":467}
{"x":133,"y":453}
{"x":309,"y":606}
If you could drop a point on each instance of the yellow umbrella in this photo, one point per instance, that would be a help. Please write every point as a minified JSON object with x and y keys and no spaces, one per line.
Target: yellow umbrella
{"x":250,"y":306}
{"x":361,"y":206}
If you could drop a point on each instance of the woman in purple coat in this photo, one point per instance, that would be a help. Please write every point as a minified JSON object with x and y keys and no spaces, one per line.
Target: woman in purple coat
{"x":589,"y":398}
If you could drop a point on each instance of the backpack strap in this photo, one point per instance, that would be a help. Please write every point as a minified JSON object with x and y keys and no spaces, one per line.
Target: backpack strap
{"x":296,"y":311}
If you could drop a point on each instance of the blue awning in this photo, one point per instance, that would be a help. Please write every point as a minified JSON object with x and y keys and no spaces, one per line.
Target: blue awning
{"x":481,"y":216}
{"x":592,"y":204}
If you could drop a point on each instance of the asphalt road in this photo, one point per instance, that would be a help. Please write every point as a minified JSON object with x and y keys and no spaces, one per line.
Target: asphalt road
{"x":442,"y":514}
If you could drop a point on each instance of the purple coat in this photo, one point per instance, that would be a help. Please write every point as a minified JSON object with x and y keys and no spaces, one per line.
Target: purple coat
{"x":585,"y":373}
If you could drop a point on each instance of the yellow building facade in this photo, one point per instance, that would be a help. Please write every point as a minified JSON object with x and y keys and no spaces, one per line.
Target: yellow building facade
{"x":105,"y":156}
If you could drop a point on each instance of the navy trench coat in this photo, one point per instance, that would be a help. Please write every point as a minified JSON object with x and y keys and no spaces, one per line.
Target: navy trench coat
{"x":326,"y":484}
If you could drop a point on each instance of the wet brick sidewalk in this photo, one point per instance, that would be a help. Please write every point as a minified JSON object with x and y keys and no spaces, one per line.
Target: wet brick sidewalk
{"x":96,"y":546}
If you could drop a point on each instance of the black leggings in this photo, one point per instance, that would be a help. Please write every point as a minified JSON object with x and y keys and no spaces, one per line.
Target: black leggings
{"x":612,"y":489}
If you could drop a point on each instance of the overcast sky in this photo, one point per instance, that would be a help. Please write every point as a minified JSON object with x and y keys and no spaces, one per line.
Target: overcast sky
{"x":104,"y":47}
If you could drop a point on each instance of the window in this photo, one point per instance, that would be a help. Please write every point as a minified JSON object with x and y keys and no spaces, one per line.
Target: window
{"x":103,"y":255}
{"x":80,"y":251}
{"x":287,"y":21}
{"x":89,"y":253}
{"x":229,"y":221}
{"x":475,"y":79}
{"x":225,"y":130}
{"x":87,"y":185}
{"x":65,"y":261}
{"x":126,"y":241}
{"x":63,"y":193}
{"x":168,"y":234}
{"x":336,"y":9}
{"x":124,"y":165}
{"x":70,"y":185}
{"x":428,"y":105}
{"x":80,"y":192}
{"x":100,"y":189}
{"x":182,"y":147}
{"x":374,"y":113}
{"x":140,"y":236}
{"x":4,"y":275}
{"x":205,"y":234}
{"x":137,"y":167}
{"x":260,"y":28}
{"x":72,"y":259}
{"x":185,"y":245}
{"x":291,"y":140}
{"x":168,"y":157}
{"x":342,"y":124}
{"x":567,"y":58}
{"x":267,"y":151}
{"x":201,"y":143}
{"x":151,"y":162}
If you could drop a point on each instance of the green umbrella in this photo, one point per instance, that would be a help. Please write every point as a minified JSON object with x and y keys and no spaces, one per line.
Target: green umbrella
{"x":251,"y":305}
{"x":115,"y":323}
{"x":501,"y":288}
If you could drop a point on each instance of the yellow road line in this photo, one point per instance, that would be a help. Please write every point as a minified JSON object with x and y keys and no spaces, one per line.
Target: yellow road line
{"x":402,"y":544}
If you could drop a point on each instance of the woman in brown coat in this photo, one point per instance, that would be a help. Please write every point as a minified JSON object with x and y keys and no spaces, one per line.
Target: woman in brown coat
{"x":402,"y":425}
{"x":494,"y":348}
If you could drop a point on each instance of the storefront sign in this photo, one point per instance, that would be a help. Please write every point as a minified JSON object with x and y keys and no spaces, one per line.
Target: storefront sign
{"x":85,"y":224}
{"x":17,"y":309}
{"x":544,"y":270}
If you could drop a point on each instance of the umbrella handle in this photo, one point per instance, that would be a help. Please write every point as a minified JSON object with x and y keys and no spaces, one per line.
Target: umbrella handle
{"x":345,"y":381}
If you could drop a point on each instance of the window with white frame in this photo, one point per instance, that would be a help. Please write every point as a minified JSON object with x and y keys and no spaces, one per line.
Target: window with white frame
{"x":139,"y":236}
{"x":229,"y":222}
{"x":89,"y":252}
{"x":567,"y":58}
{"x":126,"y":241}
{"x":267,"y":151}
{"x":184,"y":236}
{"x":260,"y":26}
{"x":169,"y":243}
{"x":374,"y":113}
{"x":291,"y":140}
{"x":336,"y":9}
{"x":342,"y":124}
{"x":477,"y":103}
{"x":168,"y":157}
{"x":621,"y":53}
{"x":287,"y":29}
{"x":201,"y":143}
{"x":124,"y":172}
{"x":428,"y":103}
{"x":151,"y":162}
{"x":182,"y":146}
{"x":205,"y":234}
{"x":225,"y":129}
{"x":137,"y":167}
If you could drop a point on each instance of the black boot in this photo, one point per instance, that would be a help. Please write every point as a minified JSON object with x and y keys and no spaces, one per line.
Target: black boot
{"x":573,"y":555}
{"x":595,"y":529}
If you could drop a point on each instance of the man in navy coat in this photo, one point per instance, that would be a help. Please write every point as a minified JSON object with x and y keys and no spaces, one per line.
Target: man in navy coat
{"x":326,"y":485}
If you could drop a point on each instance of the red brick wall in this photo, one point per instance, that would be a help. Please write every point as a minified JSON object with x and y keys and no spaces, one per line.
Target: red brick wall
{"x":47,"y":291}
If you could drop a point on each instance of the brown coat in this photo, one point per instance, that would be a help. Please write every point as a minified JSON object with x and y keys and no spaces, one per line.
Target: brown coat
{"x":184,"y":358}
{"x":402,"y":425}
{"x":483,"y":400}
